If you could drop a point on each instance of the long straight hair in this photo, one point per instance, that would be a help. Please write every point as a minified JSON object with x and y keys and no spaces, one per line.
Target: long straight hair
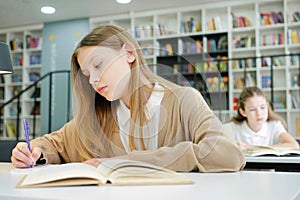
{"x":95,"y":115}
{"x":247,"y":93}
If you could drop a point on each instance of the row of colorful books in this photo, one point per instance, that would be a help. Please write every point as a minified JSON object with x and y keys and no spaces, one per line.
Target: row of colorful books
{"x":33,"y":42}
{"x":272,"y":39}
{"x":190,"y":26}
{"x":271,"y":18}
{"x":240,"y":21}
{"x":243,"y":41}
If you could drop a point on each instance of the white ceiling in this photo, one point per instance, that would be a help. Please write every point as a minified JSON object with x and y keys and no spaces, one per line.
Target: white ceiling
{"x":15,"y":13}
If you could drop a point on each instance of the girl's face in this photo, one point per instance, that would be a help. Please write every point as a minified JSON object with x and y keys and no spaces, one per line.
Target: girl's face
{"x":108,"y":70}
{"x":256,"y":112}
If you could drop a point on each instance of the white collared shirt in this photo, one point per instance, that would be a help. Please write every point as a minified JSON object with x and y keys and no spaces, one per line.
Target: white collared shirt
{"x":150,"y":131}
{"x":267,"y":135}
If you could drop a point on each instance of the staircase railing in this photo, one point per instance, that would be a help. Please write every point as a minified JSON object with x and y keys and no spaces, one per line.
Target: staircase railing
{"x":35,"y":85}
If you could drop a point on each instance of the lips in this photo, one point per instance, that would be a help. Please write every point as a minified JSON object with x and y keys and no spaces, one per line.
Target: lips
{"x":260,"y":119}
{"x":101,"y":89}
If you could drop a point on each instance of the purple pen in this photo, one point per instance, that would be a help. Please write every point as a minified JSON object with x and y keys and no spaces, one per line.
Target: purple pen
{"x":27,"y":130}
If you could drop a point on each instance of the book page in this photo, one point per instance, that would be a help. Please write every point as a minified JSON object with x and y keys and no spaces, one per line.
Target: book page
{"x":128,"y":172}
{"x":61,"y":172}
{"x":108,"y":166}
{"x":268,"y":150}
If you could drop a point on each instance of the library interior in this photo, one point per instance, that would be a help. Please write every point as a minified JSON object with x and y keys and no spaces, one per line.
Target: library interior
{"x":217,"y":47}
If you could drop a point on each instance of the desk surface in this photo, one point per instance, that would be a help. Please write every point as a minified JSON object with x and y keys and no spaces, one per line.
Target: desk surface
{"x":239,"y":185}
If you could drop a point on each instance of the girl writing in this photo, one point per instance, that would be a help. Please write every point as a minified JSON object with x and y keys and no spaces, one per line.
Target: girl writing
{"x":126,"y":111}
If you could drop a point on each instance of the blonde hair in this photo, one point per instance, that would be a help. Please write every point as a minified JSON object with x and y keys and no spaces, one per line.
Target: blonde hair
{"x":95,"y":117}
{"x":246,"y":94}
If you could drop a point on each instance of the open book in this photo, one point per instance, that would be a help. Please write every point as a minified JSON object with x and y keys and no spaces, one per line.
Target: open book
{"x":267,"y":150}
{"x":114,"y":172}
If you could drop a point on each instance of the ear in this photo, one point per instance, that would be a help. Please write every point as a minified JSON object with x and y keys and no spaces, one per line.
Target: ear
{"x":242,"y":112}
{"x":129,"y":48}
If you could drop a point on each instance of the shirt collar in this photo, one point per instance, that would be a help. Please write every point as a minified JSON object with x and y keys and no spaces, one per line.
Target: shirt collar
{"x":262,"y":132}
{"x":154,"y":100}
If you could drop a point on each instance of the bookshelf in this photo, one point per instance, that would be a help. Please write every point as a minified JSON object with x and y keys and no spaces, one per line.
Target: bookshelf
{"x":26,"y":51}
{"x":256,"y":31}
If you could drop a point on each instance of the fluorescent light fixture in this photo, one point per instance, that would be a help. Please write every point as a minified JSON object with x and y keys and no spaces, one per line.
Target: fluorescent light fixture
{"x":48,"y":10}
{"x":123,"y":1}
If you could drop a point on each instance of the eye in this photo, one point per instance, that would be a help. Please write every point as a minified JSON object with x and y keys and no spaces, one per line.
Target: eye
{"x":98,"y":65}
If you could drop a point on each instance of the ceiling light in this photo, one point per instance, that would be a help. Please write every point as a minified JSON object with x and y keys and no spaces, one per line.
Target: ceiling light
{"x":48,"y":10}
{"x":123,"y":1}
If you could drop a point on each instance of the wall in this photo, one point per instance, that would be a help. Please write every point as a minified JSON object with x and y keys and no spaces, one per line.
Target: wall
{"x":59,"y":41}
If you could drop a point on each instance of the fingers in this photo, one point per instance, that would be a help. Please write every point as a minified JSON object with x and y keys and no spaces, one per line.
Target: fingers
{"x":242,"y":145}
{"x":94,"y":162}
{"x":36,"y":153}
{"x":22,"y":157}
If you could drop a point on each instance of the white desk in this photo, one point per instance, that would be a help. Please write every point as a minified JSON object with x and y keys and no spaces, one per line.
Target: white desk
{"x":239,"y":185}
{"x":279,"y":163}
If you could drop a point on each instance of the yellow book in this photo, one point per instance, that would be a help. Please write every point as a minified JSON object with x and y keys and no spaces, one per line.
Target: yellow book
{"x":10,"y":130}
{"x":110,"y":172}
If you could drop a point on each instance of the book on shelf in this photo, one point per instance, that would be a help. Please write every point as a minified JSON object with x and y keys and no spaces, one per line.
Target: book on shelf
{"x":249,"y":80}
{"x":34,"y":76}
{"x":190,"y":26}
{"x":33,"y":42}
{"x":35,"y":59}
{"x":268,"y":150}
{"x":295,"y":60}
{"x":16,"y":44}
{"x":214,"y":24}
{"x":279,"y":103}
{"x":296,"y":101}
{"x":271,"y":18}
{"x":240,"y":21}
{"x":295,"y":80}
{"x":109,"y":172}
{"x":10,"y":130}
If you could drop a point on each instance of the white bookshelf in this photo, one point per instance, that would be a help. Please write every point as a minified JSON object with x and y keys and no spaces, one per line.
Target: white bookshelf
{"x":255,"y":33}
{"x":26,"y":59}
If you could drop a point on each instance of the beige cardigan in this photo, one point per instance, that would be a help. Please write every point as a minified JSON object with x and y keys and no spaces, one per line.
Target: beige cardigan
{"x":191,"y":138}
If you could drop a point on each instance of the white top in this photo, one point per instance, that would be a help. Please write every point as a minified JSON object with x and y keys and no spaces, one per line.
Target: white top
{"x":150,"y":130}
{"x":267,"y":135}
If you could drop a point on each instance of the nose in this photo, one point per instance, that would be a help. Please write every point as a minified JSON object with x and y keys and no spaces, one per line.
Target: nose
{"x":258,"y":111}
{"x":93,"y":80}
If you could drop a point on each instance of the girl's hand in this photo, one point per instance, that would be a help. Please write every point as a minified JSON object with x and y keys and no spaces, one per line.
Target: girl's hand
{"x":242,"y":145}
{"x":21,"y":156}
{"x":97,"y":161}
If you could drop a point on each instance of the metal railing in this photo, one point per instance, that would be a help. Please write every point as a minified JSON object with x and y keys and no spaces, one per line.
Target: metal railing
{"x":35,"y":86}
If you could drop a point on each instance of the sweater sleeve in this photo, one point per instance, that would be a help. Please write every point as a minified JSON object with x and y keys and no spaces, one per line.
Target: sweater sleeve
{"x":205,"y":147}
{"x":62,"y":146}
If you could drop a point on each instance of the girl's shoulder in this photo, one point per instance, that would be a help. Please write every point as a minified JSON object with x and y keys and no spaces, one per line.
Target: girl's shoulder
{"x":232,"y":125}
{"x":274,"y":123}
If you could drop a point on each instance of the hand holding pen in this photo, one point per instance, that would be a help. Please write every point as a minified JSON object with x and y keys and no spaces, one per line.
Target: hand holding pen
{"x":24,"y":155}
